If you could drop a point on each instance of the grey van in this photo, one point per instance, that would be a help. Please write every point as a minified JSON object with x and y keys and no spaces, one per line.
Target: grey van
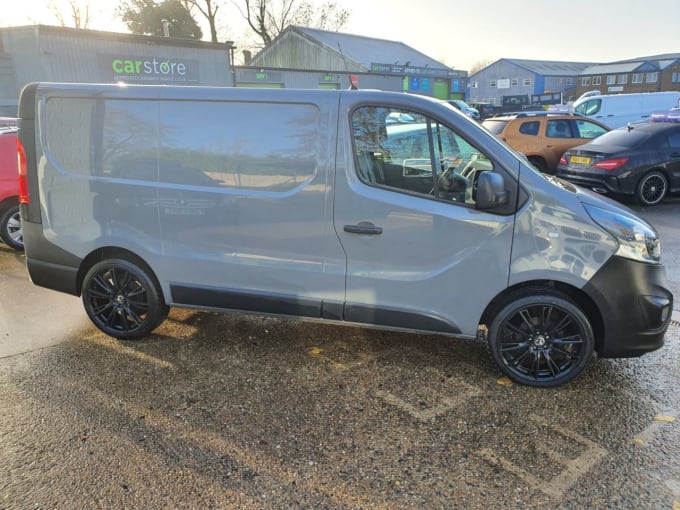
{"x":363,"y":207}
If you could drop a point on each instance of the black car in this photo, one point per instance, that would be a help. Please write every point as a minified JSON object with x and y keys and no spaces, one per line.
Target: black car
{"x":640,"y":160}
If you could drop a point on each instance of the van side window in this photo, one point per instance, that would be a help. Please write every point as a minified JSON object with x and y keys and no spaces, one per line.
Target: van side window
{"x":266,"y":147}
{"x":409,"y":152}
{"x":255,"y":146}
{"x":125,"y":147}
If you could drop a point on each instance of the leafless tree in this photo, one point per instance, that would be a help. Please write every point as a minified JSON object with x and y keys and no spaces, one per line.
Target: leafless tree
{"x":479,"y":65}
{"x":208,"y":8}
{"x":268,"y":18}
{"x":78,"y":10}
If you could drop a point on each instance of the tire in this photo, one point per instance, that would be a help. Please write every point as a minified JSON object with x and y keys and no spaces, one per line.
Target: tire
{"x":651,"y":189}
{"x":539,"y":337}
{"x":539,"y":163}
{"x":123,"y":299}
{"x":10,"y":228}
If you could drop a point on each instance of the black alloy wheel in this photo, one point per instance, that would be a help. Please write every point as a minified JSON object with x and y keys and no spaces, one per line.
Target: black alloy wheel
{"x":541,"y":338}
{"x":122,"y":299}
{"x":651,"y":189}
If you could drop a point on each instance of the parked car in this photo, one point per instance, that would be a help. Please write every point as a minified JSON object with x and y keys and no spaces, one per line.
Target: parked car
{"x":465,"y":108}
{"x":10,"y":224}
{"x":485,"y":110}
{"x":641,"y":160}
{"x":544,"y":137}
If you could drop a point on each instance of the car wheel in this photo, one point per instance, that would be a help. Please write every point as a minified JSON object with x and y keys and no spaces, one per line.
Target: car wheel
{"x":539,"y":337}
{"x":539,"y":163}
{"x":10,"y":228}
{"x":651,"y":189}
{"x":123,"y":299}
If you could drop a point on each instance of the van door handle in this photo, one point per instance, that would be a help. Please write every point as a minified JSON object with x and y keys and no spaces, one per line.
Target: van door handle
{"x":364,"y":227}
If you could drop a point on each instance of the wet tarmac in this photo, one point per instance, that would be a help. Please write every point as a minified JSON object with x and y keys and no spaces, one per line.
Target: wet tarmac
{"x":217,"y":411}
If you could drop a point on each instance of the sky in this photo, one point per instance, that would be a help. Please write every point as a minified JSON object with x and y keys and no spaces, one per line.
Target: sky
{"x":459,"y":34}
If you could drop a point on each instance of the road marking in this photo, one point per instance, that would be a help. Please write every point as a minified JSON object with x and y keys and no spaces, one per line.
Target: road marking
{"x":660,"y":421}
{"x":338,"y":495}
{"x":573,"y":468}
{"x":114,"y":345}
{"x":459,"y":393}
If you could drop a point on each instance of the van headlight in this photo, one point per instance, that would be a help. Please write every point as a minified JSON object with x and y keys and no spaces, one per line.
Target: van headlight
{"x":637,"y":240}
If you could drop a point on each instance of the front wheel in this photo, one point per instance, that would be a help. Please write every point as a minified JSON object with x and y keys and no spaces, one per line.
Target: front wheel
{"x":651,"y":189}
{"x":123,"y":299}
{"x":539,"y":337}
{"x":10,"y":228}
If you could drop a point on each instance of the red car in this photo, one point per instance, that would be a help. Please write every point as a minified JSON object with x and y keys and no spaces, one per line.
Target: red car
{"x":10,"y":224}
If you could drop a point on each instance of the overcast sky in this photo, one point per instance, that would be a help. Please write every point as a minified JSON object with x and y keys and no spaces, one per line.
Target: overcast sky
{"x":461,"y":34}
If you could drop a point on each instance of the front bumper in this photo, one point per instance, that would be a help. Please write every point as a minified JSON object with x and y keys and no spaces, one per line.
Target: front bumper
{"x":635,"y":304}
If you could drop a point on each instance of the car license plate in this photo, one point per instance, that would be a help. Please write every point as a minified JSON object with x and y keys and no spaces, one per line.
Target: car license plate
{"x":580,"y":160}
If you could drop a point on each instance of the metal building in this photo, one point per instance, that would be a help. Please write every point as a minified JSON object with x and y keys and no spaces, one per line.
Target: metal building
{"x":302,"y":57}
{"x":45,"y":53}
{"x":520,"y":77}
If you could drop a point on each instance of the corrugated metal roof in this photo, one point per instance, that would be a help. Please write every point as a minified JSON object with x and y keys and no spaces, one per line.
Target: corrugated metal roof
{"x":628,"y":67}
{"x":367,"y":50}
{"x":550,"y":67}
{"x":664,"y":56}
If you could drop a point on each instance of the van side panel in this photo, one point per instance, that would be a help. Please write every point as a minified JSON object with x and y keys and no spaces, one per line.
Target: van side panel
{"x":617,"y":110}
{"x":97,"y":177}
{"x":226,"y":194}
{"x":245,"y":204}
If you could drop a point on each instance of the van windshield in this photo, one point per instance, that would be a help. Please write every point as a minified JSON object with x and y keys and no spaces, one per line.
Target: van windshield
{"x":590,"y":107}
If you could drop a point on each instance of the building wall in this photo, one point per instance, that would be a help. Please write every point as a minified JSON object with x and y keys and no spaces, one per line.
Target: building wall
{"x":667,"y":79}
{"x":309,"y":79}
{"x":40,"y":53}
{"x":293,"y":51}
{"x":499,"y":79}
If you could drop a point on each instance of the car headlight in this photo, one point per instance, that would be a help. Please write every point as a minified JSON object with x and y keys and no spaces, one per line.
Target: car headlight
{"x":637,"y":240}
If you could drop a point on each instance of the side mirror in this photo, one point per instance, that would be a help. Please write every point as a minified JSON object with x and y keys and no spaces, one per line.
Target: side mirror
{"x":491,"y":191}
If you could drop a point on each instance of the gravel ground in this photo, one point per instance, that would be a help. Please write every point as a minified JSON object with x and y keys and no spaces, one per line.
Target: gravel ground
{"x":220,"y":411}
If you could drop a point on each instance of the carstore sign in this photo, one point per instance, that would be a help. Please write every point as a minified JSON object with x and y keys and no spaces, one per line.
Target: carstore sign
{"x":151,"y":69}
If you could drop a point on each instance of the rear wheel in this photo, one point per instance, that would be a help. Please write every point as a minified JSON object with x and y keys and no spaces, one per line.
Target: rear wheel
{"x":651,"y":189}
{"x":539,"y":337}
{"x":10,"y":228}
{"x":123,"y":299}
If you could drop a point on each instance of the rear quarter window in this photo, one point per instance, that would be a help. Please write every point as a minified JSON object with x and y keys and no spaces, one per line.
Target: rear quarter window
{"x":529,"y":128}
{"x":495,"y":126}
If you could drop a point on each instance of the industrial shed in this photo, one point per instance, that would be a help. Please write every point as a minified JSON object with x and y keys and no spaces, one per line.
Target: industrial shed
{"x":521,"y":77}
{"x":302,"y":57}
{"x":45,"y":53}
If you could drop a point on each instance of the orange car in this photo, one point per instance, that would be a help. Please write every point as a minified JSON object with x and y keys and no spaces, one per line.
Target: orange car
{"x":544,"y":137}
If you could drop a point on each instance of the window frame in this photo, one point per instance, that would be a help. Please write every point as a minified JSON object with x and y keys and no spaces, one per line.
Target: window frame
{"x":433,"y":124}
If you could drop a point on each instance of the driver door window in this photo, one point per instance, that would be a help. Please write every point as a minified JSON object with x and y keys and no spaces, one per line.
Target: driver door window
{"x":408,"y":152}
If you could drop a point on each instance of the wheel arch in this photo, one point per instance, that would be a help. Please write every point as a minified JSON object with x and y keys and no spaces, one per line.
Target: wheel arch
{"x":538,"y":160}
{"x":110,"y":252}
{"x":8,"y":202}
{"x":579,"y":297}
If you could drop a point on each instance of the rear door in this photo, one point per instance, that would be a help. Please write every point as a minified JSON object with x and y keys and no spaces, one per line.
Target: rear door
{"x":417,"y":258}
